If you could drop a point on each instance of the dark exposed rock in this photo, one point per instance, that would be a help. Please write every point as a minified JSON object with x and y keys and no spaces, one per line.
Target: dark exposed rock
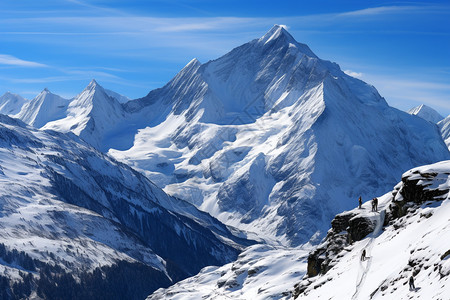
{"x":315,"y":261}
{"x":447,"y":253}
{"x":414,"y":190}
{"x":359,"y":228}
{"x":341,"y":222}
{"x":345,"y":229}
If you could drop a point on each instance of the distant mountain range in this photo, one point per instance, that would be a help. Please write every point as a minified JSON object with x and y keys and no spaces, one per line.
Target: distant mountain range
{"x":268,"y":138}
{"x":266,"y":143}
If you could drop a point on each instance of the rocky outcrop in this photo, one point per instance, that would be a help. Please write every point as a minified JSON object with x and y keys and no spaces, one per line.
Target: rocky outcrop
{"x":359,"y":228}
{"x":346,"y":228}
{"x":417,"y":187}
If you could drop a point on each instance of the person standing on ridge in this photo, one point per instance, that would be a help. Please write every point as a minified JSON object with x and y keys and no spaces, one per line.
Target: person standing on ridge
{"x":411,"y":283}
{"x":363,"y":255}
{"x":376,"y":203}
{"x":360,"y":202}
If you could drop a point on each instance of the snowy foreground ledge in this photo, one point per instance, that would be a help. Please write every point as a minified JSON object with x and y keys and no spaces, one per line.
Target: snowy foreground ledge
{"x":408,"y":235}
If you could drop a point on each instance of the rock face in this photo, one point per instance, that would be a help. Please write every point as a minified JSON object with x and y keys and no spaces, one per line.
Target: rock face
{"x":346,"y":228}
{"x":417,"y":187}
{"x":407,"y":205}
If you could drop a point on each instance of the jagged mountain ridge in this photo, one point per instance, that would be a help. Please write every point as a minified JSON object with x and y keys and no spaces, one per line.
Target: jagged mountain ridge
{"x":65,"y":203}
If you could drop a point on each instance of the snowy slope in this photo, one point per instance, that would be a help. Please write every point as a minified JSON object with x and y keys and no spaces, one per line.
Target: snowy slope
{"x":44,"y":108}
{"x":11,"y":104}
{"x":260,"y":272}
{"x":90,"y":115}
{"x":273,"y":140}
{"x":427,"y":113}
{"x":444,"y":127}
{"x":64,"y":203}
{"x":414,"y":242}
{"x":408,"y":235}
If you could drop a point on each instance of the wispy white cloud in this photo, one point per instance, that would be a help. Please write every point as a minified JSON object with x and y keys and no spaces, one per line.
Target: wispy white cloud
{"x":110,"y":21}
{"x":382,"y":10}
{"x":406,"y":93}
{"x":353,"y":74}
{"x":197,"y":24}
{"x":14,"y":61}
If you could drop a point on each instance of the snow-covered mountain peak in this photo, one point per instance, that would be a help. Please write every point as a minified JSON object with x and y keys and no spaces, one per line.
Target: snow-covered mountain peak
{"x":44,"y":108}
{"x":90,"y":114}
{"x":93,"y":84}
{"x":93,"y":93}
{"x":188,"y":70}
{"x":193,"y":63}
{"x":8,"y":94}
{"x":44,"y":92}
{"x":277,"y":31}
{"x":93,"y":88}
{"x":426,"y":112}
{"x":11,"y":104}
{"x":279,"y":34}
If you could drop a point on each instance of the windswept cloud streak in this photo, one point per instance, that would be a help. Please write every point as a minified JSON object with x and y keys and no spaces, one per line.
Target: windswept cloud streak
{"x":406,"y":94}
{"x":382,"y":10}
{"x":10,"y":60}
{"x":353,"y":74}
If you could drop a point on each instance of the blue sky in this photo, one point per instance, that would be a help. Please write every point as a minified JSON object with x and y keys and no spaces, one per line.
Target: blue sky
{"x":132,"y":47}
